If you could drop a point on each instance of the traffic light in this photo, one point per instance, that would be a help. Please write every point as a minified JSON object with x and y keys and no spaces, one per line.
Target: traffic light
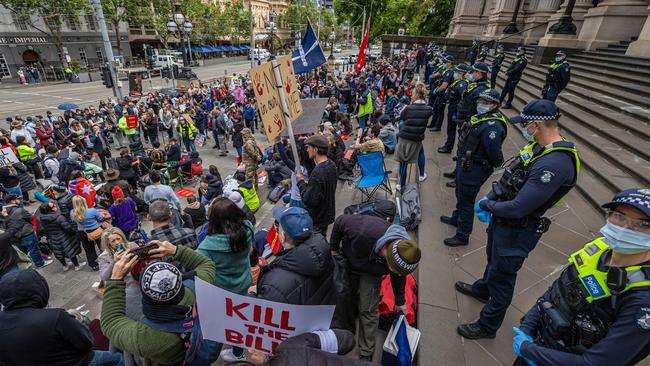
{"x":107,"y":80}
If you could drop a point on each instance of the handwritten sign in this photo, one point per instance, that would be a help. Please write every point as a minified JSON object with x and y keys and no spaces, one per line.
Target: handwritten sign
{"x":254,"y":323}
{"x":132,"y":121}
{"x":290,"y":85}
{"x":268,"y":100}
{"x":7,"y":157}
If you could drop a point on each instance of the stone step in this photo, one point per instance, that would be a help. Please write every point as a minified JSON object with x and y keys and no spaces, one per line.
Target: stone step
{"x":614,"y":47}
{"x":626,"y":91}
{"x":632,"y":65}
{"x":609,"y":51}
{"x":615,"y":55}
{"x":639,"y":75}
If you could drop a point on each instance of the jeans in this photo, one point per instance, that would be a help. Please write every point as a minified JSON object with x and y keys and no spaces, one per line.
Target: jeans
{"x":29,"y":245}
{"x":493,"y":77}
{"x":343,"y":108}
{"x":153,"y":137}
{"x":362,"y":122}
{"x":239,"y":151}
{"x":189,"y":145}
{"x":403,"y":166}
{"x":106,"y":358}
{"x":296,"y":203}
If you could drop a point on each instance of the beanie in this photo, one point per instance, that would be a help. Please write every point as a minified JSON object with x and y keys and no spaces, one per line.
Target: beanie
{"x":403,"y":257}
{"x":161,"y":283}
{"x":117,"y":193}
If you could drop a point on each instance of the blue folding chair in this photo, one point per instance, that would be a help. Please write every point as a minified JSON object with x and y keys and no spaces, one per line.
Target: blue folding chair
{"x":373,"y":175}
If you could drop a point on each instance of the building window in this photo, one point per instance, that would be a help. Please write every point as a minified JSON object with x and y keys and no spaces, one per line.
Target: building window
{"x":50,"y":21}
{"x":83,"y":57}
{"x":19,"y":22}
{"x":90,"y":21}
{"x":100,"y":55}
{"x":73,"y":22}
{"x":4,"y":68}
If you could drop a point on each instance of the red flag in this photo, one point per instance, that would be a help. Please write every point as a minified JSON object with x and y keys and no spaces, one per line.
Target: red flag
{"x":361,"y":58}
{"x":83,"y":188}
{"x":273,"y":238}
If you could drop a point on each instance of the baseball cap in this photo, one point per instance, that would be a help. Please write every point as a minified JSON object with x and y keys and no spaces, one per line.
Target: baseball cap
{"x":636,"y":197}
{"x":538,"y":110}
{"x":403,"y":257}
{"x":295,"y":221}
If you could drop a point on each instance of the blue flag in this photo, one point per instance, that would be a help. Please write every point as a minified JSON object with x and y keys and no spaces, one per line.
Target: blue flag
{"x":309,"y":55}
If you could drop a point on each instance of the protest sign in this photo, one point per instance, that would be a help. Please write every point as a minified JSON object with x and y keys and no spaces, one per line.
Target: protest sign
{"x":7,"y":157}
{"x":290,"y":85}
{"x":268,"y":100}
{"x":132,"y":121}
{"x":250,"y":322}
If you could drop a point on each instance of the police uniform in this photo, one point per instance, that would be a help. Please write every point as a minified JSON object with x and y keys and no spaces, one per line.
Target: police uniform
{"x":453,"y":95}
{"x":513,"y":73}
{"x":496,"y":65}
{"x":446,"y":76}
{"x":537,"y":179}
{"x":482,"y":56}
{"x":586,"y":319}
{"x":467,"y":105}
{"x":557,"y":77}
{"x":479,"y":152}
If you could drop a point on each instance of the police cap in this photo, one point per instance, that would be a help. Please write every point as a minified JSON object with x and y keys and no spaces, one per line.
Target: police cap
{"x":490,"y":95}
{"x":521,"y":48}
{"x":538,"y":110}
{"x":463,"y":68}
{"x":560,"y":53}
{"x":449,"y":58}
{"x":637,"y":197}
{"x":481,"y":66}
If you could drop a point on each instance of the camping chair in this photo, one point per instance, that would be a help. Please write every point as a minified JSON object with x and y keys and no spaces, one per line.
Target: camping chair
{"x":373,"y":175}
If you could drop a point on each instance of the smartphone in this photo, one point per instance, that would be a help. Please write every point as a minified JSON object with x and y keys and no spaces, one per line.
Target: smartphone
{"x":143,"y":251}
{"x":120,"y":248}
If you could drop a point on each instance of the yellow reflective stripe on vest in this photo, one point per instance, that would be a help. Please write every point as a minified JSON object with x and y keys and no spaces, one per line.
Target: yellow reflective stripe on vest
{"x":527,"y":156}
{"x":473,"y":121}
{"x":473,"y":86}
{"x":586,"y":262}
{"x":555,"y":66}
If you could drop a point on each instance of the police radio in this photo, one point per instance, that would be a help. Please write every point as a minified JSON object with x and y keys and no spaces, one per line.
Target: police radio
{"x":616,"y":282}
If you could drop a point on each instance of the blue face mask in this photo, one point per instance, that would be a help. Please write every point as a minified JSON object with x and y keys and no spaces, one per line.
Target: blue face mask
{"x":625,"y":241}
{"x":482,"y":108}
{"x":470,"y":77}
{"x":530,"y":137}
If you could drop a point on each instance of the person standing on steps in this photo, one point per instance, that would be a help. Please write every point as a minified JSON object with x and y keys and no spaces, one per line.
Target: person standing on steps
{"x":513,"y":75}
{"x":453,"y":95}
{"x":479,"y":152}
{"x":496,"y":65}
{"x":445,"y":78}
{"x":557,"y":77}
{"x":542,"y":173}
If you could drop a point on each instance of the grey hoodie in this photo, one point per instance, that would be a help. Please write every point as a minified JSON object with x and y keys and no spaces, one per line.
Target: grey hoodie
{"x":394,"y":232}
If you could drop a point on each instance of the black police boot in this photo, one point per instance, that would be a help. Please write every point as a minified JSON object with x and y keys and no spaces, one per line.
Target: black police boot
{"x":454,"y":241}
{"x":451,"y":174}
{"x":444,"y":150}
{"x":506,"y":106}
{"x":473,"y":331}
{"x":451,"y":184}
{"x":448,"y":220}
{"x":466,"y":289}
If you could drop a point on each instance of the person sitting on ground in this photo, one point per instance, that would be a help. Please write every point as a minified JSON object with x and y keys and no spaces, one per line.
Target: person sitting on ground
{"x":165,"y":299}
{"x":196,"y":210}
{"x":248,"y":191}
{"x":123,"y":212}
{"x":229,"y":240}
{"x":61,"y":339}
{"x":277,"y":170}
{"x":51,"y":164}
{"x":157,"y":190}
{"x":161,"y":216}
{"x":157,"y":156}
{"x":173,"y":151}
{"x":237,"y":198}
{"x":371,"y":142}
{"x":387,"y":134}
{"x":127,"y":172}
{"x":69,"y":165}
{"x":303,"y":274}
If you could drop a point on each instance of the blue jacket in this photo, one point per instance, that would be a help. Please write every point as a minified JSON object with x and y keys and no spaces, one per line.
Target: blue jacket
{"x":249,"y":113}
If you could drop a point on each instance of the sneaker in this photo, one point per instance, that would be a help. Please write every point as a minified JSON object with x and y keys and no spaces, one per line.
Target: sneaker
{"x":422,"y":178}
{"x":66,"y":267}
{"x":398,"y":187}
{"x":78,"y":268}
{"x":228,"y":356}
{"x":46,"y":263}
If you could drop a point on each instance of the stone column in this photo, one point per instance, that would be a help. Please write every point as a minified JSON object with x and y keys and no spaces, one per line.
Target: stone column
{"x":542,"y":10}
{"x":579,"y":10}
{"x":465,"y":23}
{"x":612,"y":21}
{"x":501,"y":17}
{"x":641,"y":47}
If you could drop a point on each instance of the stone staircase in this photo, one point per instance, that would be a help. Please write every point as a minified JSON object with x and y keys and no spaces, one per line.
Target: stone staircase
{"x":605,"y":111}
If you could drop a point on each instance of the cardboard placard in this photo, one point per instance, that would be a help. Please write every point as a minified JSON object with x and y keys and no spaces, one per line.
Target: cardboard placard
{"x":254,"y":323}
{"x":290,"y":85}
{"x":268,"y":100}
{"x":7,"y":157}
{"x":132,"y":121}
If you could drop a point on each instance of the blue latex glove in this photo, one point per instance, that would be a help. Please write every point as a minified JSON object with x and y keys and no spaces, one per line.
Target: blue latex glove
{"x":483,"y":216}
{"x":518,"y":340}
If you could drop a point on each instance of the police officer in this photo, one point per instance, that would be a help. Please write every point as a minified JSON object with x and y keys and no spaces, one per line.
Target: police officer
{"x":598,"y":311}
{"x":479,"y":152}
{"x":478,"y":83}
{"x":544,"y":171}
{"x":513,"y":73}
{"x":473,"y":52}
{"x":557,"y":77}
{"x":446,"y":77}
{"x":453,"y":95}
{"x":438,"y":66}
{"x":496,"y":65}
{"x":483,"y":54}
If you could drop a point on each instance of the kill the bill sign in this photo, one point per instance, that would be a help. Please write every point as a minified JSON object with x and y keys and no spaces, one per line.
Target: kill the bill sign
{"x":249,"y":322}
{"x":267,"y":95}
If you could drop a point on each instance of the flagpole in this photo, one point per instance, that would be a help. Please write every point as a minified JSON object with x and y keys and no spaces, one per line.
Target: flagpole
{"x":285,"y":111}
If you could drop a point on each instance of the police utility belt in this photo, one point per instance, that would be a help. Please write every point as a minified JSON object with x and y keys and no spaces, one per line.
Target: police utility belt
{"x":569,"y":319}
{"x":469,"y":140}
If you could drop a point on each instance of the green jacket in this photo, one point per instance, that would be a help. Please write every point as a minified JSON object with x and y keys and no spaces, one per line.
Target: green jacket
{"x":234,"y":269}
{"x":121,"y":124}
{"x":156,"y":347}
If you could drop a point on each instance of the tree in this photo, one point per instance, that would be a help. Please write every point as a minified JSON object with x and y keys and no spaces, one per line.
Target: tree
{"x":46,"y":16}
{"x":158,"y":15}
{"x":123,"y":11}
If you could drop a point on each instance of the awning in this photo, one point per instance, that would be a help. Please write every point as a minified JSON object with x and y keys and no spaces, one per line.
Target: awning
{"x":261,"y":37}
{"x":245,"y":47}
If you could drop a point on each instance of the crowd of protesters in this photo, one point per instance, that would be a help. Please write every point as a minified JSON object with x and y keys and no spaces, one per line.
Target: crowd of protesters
{"x":97,"y":173}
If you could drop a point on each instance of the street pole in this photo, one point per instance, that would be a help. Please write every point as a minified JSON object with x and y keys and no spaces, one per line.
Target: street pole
{"x":250,"y":11}
{"x":117,"y":89}
{"x":189,"y":49}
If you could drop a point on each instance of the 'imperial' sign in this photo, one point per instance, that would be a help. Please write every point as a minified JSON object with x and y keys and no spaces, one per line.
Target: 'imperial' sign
{"x":23,"y":40}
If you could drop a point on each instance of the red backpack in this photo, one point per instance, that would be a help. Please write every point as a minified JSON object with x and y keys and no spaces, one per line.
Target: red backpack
{"x":387,"y":300}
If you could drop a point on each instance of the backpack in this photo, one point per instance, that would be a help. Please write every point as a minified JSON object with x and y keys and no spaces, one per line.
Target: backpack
{"x":47,"y":174}
{"x":387,"y":303}
{"x":65,"y":169}
{"x":199,"y":351}
{"x":384,"y":209}
{"x":277,"y":192}
{"x":410,"y":212}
